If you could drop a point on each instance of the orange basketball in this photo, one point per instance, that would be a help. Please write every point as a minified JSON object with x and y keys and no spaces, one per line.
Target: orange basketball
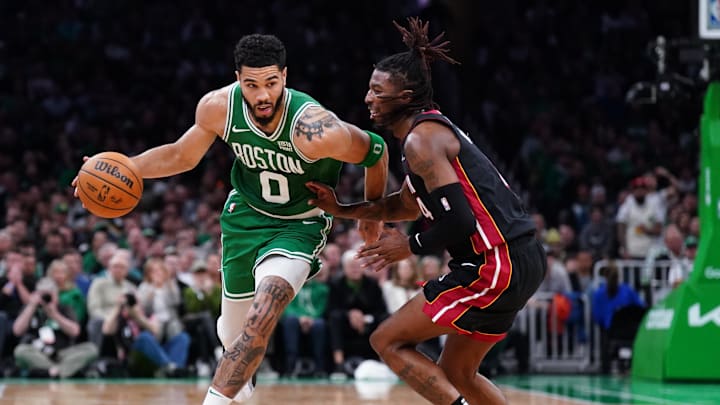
{"x":109,"y":184}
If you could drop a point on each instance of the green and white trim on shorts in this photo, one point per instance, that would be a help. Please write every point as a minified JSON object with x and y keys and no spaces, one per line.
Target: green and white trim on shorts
{"x":248,"y":237}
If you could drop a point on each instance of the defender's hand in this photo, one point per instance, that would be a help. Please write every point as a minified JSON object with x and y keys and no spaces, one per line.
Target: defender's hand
{"x":390,"y":248}
{"x":326,"y":199}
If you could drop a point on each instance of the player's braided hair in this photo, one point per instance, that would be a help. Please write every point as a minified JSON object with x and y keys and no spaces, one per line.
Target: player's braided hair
{"x":411,"y":69}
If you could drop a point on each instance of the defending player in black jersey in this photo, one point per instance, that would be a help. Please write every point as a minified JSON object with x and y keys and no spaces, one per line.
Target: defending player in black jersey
{"x":496,"y":263}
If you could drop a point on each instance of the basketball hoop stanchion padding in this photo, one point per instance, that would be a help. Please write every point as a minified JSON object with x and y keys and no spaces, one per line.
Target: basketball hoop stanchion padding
{"x":679,"y":339}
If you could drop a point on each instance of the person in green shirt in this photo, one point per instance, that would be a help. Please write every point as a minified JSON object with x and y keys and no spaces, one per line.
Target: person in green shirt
{"x":304,"y":316}
{"x":68,"y":292}
{"x":204,"y":295}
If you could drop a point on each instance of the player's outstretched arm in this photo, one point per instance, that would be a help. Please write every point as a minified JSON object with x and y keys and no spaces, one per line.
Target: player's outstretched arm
{"x":398,"y":206}
{"x":185,"y":153}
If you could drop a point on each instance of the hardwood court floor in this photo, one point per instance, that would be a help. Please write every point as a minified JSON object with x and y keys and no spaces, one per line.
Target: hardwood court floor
{"x":527,"y":390}
{"x":174,"y":392}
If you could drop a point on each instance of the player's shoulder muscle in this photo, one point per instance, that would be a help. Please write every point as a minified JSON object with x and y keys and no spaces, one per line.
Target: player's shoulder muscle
{"x":211,"y":111}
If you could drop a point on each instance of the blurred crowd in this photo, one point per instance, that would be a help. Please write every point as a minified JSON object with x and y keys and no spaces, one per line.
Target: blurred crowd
{"x":542,"y":89}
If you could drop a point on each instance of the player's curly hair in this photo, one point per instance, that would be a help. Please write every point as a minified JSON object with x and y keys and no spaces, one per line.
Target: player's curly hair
{"x":410,"y":70}
{"x":258,"y":50}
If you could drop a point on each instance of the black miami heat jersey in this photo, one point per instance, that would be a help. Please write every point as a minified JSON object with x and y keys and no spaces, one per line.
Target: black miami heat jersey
{"x":499,"y":213}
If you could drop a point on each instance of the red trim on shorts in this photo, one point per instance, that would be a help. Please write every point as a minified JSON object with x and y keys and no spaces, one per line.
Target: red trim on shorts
{"x":452,"y":304}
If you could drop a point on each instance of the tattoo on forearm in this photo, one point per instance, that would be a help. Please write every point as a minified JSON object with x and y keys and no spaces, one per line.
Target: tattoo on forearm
{"x":423,"y":384}
{"x":240,"y":361}
{"x":313,"y":123}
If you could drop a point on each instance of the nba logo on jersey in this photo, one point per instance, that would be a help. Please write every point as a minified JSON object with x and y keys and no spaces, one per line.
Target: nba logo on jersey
{"x":231,"y":208}
{"x":445,"y":204}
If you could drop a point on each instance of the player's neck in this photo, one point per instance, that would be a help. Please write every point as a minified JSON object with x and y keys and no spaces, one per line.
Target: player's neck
{"x":401,"y":128}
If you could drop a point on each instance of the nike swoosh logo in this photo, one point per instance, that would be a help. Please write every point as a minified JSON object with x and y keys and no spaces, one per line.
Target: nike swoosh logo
{"x":237,"y":130}
{"x":440,"y":279}
{"x":308,"y":222}
{"x":468,"y":264}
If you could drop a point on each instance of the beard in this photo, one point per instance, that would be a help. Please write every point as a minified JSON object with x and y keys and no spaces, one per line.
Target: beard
{"x":263,"y":121}
{"x":387,"y":119}
{"x":395,"y":112}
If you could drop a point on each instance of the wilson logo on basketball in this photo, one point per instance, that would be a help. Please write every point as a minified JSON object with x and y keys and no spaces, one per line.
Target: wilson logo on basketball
{"x":113,"y":171}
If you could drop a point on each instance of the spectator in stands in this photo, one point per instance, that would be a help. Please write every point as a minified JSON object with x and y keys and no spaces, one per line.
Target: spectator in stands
{"x":160,"y":297}
{"x":402,"y":283}
{"x":31,"y":267}
{"x":105,"y":294}
{"x":580,"y":271}
{"x":204,"y":292}
{"x":609,"y":298}
{"x":138,"y":338}
{"x":673,"y":250}
{"x":331,"y":259}
{"x":540,"y":229}
{"x":598,"y":235}
{"x":91,"y":264}
{"x":355,"y":309}
{"x":47,"y":330}
{"x":639,"y":221}
{"x":556,"y":279}
{"x":202,"y":307}
{"x":53,"y":249}
{"x":553,"y":242}
{"x":16,"y":292}
{"x":172,"y":264}
{"x":73,"y":260}
{"x":430,"y":267}
{"x":568,"y":241}
{"x":665,"y":196}
{"x":305,"y":316}
{"x":139,"y":244}
{"x":68,"y":292}
{"x":6,"y":244}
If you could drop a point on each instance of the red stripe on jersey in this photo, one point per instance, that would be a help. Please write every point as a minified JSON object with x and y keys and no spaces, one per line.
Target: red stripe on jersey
{"x":482,"y":215}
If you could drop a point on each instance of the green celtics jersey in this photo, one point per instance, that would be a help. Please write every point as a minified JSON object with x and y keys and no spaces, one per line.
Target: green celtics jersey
{"x":269,"y":172}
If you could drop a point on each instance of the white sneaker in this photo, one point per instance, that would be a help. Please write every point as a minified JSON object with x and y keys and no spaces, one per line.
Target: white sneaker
{"x":245,"y":393}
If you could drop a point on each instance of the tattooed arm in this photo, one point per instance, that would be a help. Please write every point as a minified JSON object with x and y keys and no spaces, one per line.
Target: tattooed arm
{"x":320,"y":134}
{"x":429,"y":149}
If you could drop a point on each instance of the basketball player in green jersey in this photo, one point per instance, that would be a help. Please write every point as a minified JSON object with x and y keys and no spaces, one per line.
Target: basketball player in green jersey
{"x":271,"y":237}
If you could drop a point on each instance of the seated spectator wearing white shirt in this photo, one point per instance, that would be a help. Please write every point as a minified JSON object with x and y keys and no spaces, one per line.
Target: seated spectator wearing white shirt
{"x":401,"y":285}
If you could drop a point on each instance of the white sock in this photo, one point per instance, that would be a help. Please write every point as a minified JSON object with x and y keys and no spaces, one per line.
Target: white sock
{"x":245,"y":393}
{"x":213,"y":397}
